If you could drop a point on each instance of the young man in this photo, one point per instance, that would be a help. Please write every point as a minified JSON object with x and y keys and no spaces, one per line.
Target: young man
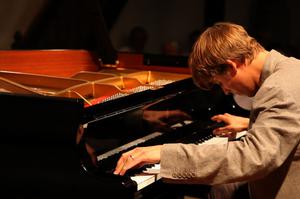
{"x":268,"y":157}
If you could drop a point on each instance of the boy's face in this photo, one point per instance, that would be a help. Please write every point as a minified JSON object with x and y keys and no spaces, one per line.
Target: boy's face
{"x":238,"y":82}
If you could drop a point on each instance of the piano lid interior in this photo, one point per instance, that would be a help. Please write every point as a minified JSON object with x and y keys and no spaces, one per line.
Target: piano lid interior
{"x":92,"y":87}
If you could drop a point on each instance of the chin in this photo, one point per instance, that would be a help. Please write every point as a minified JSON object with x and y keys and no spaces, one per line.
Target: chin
{"x":247,"y":94}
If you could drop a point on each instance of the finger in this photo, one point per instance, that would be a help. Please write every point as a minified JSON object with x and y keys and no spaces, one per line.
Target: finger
{"x":217,"y":118}
{"x":224,"y":134}
{"x":228,"y":134}
{"x":133,"y":160}
{"x":226,"y":131}
{"x":120,"y":164}
{"x":222,"y":131}
{"x":221,"y":117}
{"x":232,"y":135}
{"x":180,"y":115}
{"x":227,"y":115}
{"x":124,"y":168}
{"x":162,"y":126}
{"x":183,"y":115}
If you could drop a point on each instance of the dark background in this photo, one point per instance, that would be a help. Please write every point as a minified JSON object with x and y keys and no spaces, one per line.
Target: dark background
{"x":96,"y":24}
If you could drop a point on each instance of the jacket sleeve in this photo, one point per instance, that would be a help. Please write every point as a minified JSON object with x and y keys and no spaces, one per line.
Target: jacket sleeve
{"x":273,"y":135}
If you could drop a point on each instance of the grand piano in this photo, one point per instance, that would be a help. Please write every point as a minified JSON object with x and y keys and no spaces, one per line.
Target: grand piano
{"x":67,"y":116}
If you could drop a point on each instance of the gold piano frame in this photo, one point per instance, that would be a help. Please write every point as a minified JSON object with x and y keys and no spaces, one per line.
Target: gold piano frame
{"x":79,"y":74}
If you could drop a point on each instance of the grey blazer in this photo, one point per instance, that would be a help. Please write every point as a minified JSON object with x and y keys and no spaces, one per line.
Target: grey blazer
{"x":268,"y":157}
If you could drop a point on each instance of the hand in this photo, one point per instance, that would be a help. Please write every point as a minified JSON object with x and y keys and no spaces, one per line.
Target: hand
{"x":233,"y":125}
{"x":162,"y":120}
{"x":137,"y":158}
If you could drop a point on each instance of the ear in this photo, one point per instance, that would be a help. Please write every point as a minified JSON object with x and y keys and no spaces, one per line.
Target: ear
{"x":232,"y":67}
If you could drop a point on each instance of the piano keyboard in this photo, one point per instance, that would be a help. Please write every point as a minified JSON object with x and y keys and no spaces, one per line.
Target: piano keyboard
{"x":152,"y":173}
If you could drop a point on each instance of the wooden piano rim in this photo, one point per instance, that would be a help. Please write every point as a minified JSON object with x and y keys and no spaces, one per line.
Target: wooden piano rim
{"x":57,"y":62}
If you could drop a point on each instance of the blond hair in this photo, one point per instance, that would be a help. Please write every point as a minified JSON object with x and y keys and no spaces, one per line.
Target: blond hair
{"x":216,"y":45}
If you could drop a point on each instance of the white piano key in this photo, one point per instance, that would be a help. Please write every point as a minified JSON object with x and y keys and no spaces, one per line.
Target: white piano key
{"x":219,"y":140}
{"x":240,"y":134}
{"x":177,"y":125}
{"x":186,"y":122}
{"x":143,"y":180}
{"x":215,"y":140}
{"x":181,"y":124}
{"x":147,"y":177}
{"x":153,"y":170}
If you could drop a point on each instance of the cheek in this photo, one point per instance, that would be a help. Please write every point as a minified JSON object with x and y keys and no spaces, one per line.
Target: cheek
{"x":229,"y":84}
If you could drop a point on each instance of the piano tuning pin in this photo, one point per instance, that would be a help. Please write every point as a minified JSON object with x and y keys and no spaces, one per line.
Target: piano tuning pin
{"x":122,"y":82}
{"x":100,"y":62}
{"x":149,"y":77}
{"x":117,"y":63}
